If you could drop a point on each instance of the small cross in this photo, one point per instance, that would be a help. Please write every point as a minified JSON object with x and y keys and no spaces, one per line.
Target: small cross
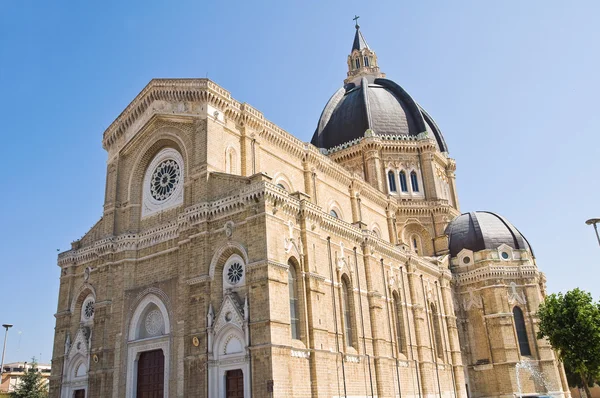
{"x":355,"y":19}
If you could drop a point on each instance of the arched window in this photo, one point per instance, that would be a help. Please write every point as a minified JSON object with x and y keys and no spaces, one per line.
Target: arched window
{"x":414,"y":241}
{"x":333,"y":213}
{"x":400,"y":336}
{"x":293,"y":291}
{"x":437,"y":335}
{"x":403,"y":184}
{"x":521,"y":331}
{"x":366,"y":60}
{"x":414,"y":182}
{"x":357,"y":62}
{"x":347,"y":313}
{"x":392,"y":181}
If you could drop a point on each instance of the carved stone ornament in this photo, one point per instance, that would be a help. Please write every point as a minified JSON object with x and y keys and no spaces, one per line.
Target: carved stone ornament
{"x":515,"y":297}
{"x":195,"y":341}
{"x":472,"y":301}
{"x":229,"y":227}
{"x":154,"y":323}
{"x":230,"y":313}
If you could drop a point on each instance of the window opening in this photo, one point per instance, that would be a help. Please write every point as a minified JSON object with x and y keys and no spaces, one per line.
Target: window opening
{"x":294,"y":313}
{"x":403,"y":184}
{"x":392,"y":181}
{"x":347,"y":313}
{"x":521,"y":331}
{"x":414,"y":181}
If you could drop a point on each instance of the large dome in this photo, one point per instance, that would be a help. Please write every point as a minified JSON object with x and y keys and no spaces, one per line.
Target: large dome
{"x":376,"y":104}
{"x":482,"y":230}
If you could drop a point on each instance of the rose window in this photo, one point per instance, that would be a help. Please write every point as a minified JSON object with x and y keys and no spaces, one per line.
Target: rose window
{"x":154,"y":322}
{"x":88,"y":309}
{"x":235,"y":273}
{"x":164,"y":180}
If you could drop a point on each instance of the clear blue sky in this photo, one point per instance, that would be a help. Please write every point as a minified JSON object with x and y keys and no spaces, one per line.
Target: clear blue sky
{"x":513,"y":85}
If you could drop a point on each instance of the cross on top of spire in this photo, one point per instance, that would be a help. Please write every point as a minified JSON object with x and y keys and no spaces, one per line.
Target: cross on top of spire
{"x":355,"y":19}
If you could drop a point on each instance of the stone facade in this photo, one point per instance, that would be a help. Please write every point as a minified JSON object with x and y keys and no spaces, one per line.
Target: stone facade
{"x":301,"y":268}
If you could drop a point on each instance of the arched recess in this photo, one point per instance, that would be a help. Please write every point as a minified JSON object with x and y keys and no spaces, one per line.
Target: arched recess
{"x":347,"y":311}
{"x":376,"y":230}
{"x":414,"y":229}
{"x":296,"y":299}
{"x":521,"y":329}
{"x":231,"y":161}
{"x":228,"y":341}
{"x":82,"y":293}
{"x":149,"y":332}
{"x":224,"y":252}
{"x":166,"y":137}
{"x":334,"y":207}
{"x":75,"y":375}
{"x":282,"y":180}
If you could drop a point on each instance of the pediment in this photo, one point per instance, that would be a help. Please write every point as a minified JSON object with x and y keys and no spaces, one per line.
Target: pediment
{"x":230,"y":313}
{"x":81,"y":343}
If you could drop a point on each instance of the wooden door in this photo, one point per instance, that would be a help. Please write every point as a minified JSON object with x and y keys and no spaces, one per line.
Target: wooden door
{"x":151,"y":374}
{"x":234,"y":384}
{"x":79,"y":394}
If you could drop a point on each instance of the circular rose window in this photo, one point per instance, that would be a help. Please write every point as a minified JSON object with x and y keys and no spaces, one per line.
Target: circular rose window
{"x":235,"y":273}
{"x":165,"y":179}
{"x":154,"y":322}
{"x":88,"y":309}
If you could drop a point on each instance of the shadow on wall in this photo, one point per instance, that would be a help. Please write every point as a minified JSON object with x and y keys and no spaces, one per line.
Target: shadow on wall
{"x":576,"y":393}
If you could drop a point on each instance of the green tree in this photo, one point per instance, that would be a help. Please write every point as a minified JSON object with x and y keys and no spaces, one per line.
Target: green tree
{"x":571,"y":323}
{"x":31,"y":385}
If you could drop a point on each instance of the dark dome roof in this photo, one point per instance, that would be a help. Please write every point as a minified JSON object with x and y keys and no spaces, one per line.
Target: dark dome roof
{"x":483,"y":230}
{"x":382,"y":106}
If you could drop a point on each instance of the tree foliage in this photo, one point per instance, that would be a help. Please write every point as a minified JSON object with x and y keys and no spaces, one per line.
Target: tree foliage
{"x":571,"y":323}
{"x":31,"y":385}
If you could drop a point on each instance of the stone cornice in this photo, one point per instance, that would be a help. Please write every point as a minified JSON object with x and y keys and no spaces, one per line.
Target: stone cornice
{"x":496,"y":272}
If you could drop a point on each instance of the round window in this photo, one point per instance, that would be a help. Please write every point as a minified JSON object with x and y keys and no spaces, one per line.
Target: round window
{"x":154,"y":322}
{"x":235,"y":273}
{"x":165,"y":179}
{"x":87,"y":310}
{"x":467,"y":260}
{"x":505,"y":255}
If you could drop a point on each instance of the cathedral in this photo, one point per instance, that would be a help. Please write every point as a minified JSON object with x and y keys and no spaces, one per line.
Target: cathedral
{"x":234,"y":260}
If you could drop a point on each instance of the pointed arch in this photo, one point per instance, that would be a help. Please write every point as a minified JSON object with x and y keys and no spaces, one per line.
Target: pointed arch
{"x":281,"y":180}
{"x":414,"y":181}
{"x":391,"y":181}
{"x":224,"y":252}
{"x":403,"y":183}
{"x":231,"y":160}
{"x":521,"y":329}
{"x":347,"y":301}
{"x":293,"y":290}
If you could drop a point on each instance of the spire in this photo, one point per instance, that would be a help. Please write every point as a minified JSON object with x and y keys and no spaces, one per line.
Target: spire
{"x":359,"y":40}
{"x":362,"y":61}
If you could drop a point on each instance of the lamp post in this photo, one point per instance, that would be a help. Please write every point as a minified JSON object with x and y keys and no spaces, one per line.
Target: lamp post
{"x":5,"y":326}
{"x":594,"y":222}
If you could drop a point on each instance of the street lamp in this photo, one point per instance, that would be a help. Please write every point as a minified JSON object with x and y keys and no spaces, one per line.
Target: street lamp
{"x":594,"y":222}
{"x":5,"y":326}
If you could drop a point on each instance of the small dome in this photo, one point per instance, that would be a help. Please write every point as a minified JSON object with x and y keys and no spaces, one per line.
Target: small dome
{"x":482,"y":230}
{"x":380,"y":105}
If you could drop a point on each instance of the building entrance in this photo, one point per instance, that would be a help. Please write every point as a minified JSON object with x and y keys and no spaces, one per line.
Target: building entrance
{"x":234,"y":384}
{"x":151,"y":374}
